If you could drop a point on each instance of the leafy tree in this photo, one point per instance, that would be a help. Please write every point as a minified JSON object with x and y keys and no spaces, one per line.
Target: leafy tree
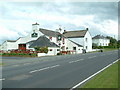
{"x":118,"y":44}
{"x":94,"y":46}
{"x":113,"y":41}
{"x":41,"y":49}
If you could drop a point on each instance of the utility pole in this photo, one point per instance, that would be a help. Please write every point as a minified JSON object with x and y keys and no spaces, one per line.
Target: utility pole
{"x":115,"y":42}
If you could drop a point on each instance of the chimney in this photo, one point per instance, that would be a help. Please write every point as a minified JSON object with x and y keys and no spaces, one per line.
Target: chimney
{"x":64,"y":31}
{"x":86,"y":28}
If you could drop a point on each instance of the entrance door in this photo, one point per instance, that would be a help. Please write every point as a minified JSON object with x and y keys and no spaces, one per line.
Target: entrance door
{"x":22,"y":47}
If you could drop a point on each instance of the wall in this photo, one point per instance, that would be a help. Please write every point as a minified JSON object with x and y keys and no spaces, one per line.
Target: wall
{"x":101,"y":42}
{"x":88,"y":43}
{"x":53,"y":52}
{"x":11,"y":45}
{"x":4,"y":46}
{"x":70,"y":46}
{"x":82,"y":41}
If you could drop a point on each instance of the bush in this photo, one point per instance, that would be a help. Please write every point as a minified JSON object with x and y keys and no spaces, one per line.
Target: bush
{"x":42,"y":49}
{"x":59,"y":53}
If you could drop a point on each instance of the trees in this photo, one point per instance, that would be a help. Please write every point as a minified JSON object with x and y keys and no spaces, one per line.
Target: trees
{"x":113,"y":41}
{"x":41,"y":49}
{"x":94,"y":46}
{"x":118,"y":44}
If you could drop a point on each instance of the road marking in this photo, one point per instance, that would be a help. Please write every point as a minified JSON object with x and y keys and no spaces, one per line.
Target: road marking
{"x":54,"y":66}
{"x":26,"y":63}
{"x":93,"y":75}
{"x":15,"y":65}
{"x":76,"y":61}
{"x":92,"y":57}
{"x":44,"y":68}
{"x":2,"y":79}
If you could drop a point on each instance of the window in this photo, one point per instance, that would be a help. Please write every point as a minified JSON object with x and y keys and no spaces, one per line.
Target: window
{"x":74,"y":48}
{"x":86,"y":39}
{"x":86,"y":47}
{"x":50,"y":49}
{"x":50,"y":38}
{"x":58,"y":49}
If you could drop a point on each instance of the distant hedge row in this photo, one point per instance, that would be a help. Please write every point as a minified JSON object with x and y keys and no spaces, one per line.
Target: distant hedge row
{"x":19,"y":54}
{"x":101,"y":47}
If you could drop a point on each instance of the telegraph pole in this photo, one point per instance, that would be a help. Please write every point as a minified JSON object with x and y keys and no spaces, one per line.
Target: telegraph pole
{"x":115,"y":42}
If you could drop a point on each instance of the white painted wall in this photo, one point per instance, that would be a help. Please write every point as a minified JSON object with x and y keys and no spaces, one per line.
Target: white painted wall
{"x":70,"y":46}
{"x":82,"y":41}
{"x":8,"y":46}
{"x":88,"y":43}
{"x":101,"y":42}
{"x":50,"y":53}
{"x":54,"y":50}
{"x":4,"y":46}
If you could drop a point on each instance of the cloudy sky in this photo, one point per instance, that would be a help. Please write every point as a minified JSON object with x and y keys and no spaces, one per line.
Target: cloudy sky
{"x":16,"y":18}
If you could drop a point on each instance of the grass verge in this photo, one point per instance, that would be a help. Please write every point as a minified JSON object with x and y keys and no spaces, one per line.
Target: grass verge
{"x":106,"y":79}
{"x":1,"y":64}
{"x":110,"y":49}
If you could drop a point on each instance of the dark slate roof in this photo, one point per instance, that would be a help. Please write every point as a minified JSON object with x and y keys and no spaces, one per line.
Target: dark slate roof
{"x":43,"y":41}
{"x":99,"y":37}
{"x":49,"y":32}
{"x":76,"y":44}
{"x":31,"y":41}
{"x":73,"y":34}
{"x":11,"y":40}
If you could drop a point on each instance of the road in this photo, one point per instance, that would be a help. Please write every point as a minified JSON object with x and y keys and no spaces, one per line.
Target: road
{"x":53,"y":72}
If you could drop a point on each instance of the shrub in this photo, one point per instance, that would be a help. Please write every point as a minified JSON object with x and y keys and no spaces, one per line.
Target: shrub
{"x":59,"y":53}
{"x":42,"y":49}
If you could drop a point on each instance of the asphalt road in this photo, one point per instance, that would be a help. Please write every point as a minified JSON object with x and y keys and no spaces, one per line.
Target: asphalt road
{"x":53,"y":72}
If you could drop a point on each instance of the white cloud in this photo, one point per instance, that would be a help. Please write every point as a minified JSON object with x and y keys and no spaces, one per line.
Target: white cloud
{"x":17,"y":18}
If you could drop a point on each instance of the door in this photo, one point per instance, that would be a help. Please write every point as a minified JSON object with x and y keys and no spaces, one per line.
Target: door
{"x":22,"y":47}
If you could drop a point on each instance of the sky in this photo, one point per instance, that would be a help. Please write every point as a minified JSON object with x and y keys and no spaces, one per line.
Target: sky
{"x":16,"y":18}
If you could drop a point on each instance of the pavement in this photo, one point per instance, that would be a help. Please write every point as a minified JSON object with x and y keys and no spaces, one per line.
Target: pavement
{"x":53,"y":72}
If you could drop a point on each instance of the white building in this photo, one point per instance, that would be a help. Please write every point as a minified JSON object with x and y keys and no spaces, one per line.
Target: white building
{"x":73,"y":41}
{"x":81,"y":37}
{"x":100,"y":40}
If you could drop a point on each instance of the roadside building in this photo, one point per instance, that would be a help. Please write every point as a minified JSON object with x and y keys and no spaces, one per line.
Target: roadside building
{"x":72,"y":41}
{"x":81,"y":38}
{"x":43,"y":41}
{"x":100,"y":40}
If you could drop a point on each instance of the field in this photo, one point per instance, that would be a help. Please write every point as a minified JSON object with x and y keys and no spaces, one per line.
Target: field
{"x":106,"y":79}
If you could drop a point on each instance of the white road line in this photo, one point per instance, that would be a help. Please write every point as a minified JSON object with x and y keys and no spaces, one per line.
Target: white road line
{"x":76,"y":61}
{"x":92,"y":75}
{"x":15,"y":65}
{"x":44,"y":68}
{"x":2,"y":79}
{"x":92,"y":57}
{"x":26,"y":63}
{"x":54,"y":66}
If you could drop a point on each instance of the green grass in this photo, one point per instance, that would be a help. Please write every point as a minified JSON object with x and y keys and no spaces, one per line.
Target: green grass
{"x":1,"y":64}
{"x":110,"y":49}
{"x":106,"y":79}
